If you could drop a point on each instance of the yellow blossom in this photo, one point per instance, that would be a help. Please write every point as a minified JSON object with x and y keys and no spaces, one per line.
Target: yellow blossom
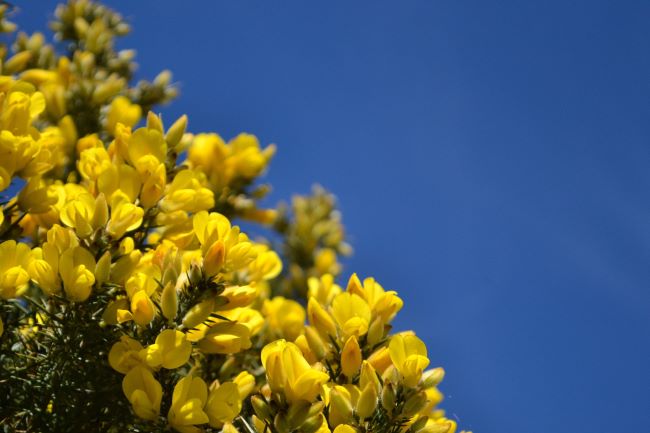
{"x":125,"y":354}
{"x":171,"y":350}
{"x":288,"y":372}
{"x":188,"y":401}
{"x":224,"y":404}
{"x":14,"y":259}
{"x":409,"y":355}
{"x":122,"y":111}
{"x":143,"y":391}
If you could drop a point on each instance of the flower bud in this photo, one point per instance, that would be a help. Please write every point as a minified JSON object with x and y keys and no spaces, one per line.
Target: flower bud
{"x":316,"y":344}
{"x":169,"y":301}
{"x":432,"y":377}
{"x":103,"y":269}
{"x":414,"y":404}
{"x":367,"y":401}
{"x":261,"y":408}
{"x":351,"y":357}
{"x":376,"y":331}
{"x":154,"y":122}
{"x":388,"y":397}
{"x":142,"y":308}
{"x":320,"y":319}
{"x":419,"y":424}
{"x":176,"y":131}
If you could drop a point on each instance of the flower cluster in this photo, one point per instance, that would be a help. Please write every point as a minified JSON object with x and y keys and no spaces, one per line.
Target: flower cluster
{"x":129,"y":299}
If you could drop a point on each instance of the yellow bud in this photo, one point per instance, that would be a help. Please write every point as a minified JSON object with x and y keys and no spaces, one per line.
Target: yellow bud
{"x":2,"y":327}
{"x":169,"y":301}
{"x":388,"y":397}
{"x":214,"y":258}
{"x":432,"y":377}
{"x":320,"y":319}
{"x":351,"y":357}
{"x":176,"y":131}
{"x":142,"y":308}
{"x":261,"y":408}
{"x":315,"y":424}
{"x":297,"y":414}
{"x":154,"y":122}
{"x":245,"y":383}
{"x":376,"y":332}
{"x":199,"y":313}
{"x":16,"y":63}
{"x":315,"y":343}
{"x":226,"y":337}
{"x":153,"y":187}
{"x":367,"y":401}
{"x":368,"y":376}
{"x":340,"y":406}
{"x":103,"y":269}
{"x":414,"y":404}
{"x":418,"y":425}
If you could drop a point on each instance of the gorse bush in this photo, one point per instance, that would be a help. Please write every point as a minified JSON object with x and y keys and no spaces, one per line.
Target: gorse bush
{"x":129,"y":301}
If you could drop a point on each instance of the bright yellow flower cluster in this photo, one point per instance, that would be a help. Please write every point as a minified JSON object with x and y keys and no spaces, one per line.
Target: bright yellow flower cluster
{"x":343,"y":372}
{"x":129,"y":298}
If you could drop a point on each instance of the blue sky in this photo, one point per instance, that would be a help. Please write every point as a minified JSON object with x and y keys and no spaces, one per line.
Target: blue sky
{"x":492,"y":162}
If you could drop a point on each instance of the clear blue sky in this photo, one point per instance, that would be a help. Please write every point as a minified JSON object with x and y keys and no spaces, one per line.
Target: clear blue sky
{"x":492,"y":159}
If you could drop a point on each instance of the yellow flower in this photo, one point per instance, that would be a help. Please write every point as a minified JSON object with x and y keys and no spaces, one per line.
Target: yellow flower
{"x":186,"y":192}
{"x":120,"y":179}
{"x":188,"y":401}
{"x":77,"y":268}
{"x":382,"y":303}
{"x":122,"y":111}
{"x":171,"y":350}
{"x":37,"y":196}
{"x":224,"y":404}
{"x":14,"y":260}
{"x":19,"y":110}
{"x":125,"y":355}
{"x":125,"y":217}
{"x":79,"y":212}
{"x":146,"y":150}
{"x":409,"y":355}
{"x":153,"y":187}
{"x":267,"y":264}
{"x":286,"y":318}
{"x":287,"y":371}
{"x":93,"y":162}
{"x":352,"y":314}
{"x":324,"y":289}
{"x":245,"y":383}
{"x":143,"y":391}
